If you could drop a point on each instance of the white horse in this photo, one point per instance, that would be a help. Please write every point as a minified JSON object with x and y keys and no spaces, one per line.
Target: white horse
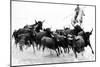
{"x":79,"y":19}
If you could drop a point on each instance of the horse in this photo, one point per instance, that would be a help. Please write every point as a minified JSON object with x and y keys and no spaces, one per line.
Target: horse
{"x":78,"y":21}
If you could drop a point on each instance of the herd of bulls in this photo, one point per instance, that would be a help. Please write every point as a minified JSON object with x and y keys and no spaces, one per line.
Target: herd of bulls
{"x":34,"y":35}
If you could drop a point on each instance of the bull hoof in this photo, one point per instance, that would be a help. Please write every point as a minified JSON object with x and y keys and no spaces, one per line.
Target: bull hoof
{"x":57,"y":55}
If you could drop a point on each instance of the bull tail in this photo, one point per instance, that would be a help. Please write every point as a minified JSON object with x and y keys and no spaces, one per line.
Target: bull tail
{"x":91,"y":48}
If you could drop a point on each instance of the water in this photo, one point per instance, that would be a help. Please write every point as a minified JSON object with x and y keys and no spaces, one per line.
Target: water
{"x":28,"y":56}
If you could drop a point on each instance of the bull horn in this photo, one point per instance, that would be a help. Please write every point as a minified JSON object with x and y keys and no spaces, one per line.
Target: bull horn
{"x":91,"y":31}
{"x":72,"y":23}
{"x":35,"y":21}
{"x":64,"y":27}
{"x":43,"y":21}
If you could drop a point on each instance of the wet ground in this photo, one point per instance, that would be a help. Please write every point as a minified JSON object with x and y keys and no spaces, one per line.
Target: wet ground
{"x":28,"y":56}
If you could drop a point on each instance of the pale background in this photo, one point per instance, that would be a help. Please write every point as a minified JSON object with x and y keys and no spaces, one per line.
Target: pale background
{"x":56,"y":16}
{"x":5,"y":28}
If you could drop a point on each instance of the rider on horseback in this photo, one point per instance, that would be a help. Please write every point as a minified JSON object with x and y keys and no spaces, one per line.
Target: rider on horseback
{"x":78,"y":18}
{"x":77,"y":10}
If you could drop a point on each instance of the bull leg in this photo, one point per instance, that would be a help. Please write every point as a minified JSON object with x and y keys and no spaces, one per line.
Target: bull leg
{"x":59,"y":50}
{"x":39,"y":47}
{"x":83,"y":53}
{"x":57,"y":53}
{"x":26,"y":47}
{"x":21,"y":48}
{"x":51,"y":52}
{"x":33,"y":48}
{"x":64,"y":47}
{"x":75,"y":53}
{"x":16,"y":42}
{"x":43,"y":48}
{"x":91,"y":48}
{"x":68,"y":49}
{"x":29,"y":43}
{"x":65,"y":50}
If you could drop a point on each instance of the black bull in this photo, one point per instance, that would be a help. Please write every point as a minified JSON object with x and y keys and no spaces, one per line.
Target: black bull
{"x":24,"y":36}
{"x":26,"y":39}
{"x":50,"y":43}
{"x":43,"y":39}
{"x":38,"y":36}
{"x":80,"y":41}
